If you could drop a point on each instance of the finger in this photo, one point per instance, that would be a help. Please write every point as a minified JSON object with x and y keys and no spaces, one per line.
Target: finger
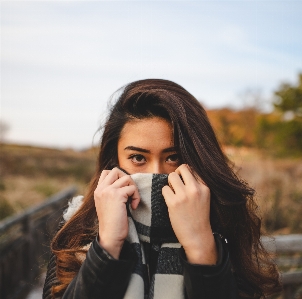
{"x":189,"y":178}
{"x":186,"y":174}
{"x":175,"y":182}
{"x":123,"y":181}
{"x":167,"y":193}
{"x":131,"y":191}
{"x":113,"y":175}
{"x":103,"y":175}
{"x":127,"y":181}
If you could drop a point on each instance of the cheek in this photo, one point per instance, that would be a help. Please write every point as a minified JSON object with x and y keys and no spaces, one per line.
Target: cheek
{"x":125,"y":164}
{"x":121,"y":160}
{"x":170,"y":169}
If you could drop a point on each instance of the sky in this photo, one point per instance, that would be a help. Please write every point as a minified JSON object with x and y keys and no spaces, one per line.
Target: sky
{"x":62,"y":60}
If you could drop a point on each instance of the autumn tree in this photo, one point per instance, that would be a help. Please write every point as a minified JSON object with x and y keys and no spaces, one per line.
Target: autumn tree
{"x":289,"y":98}
{"x":288,"y":131}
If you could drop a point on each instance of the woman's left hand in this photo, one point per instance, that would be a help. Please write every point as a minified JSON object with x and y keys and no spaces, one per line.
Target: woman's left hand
{"x":188,"y":204}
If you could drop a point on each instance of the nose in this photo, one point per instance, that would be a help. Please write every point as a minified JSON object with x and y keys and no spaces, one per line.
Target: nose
{"x":156,"y":167}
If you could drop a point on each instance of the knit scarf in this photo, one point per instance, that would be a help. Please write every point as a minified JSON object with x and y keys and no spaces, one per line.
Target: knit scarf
{"x":150,"y":223}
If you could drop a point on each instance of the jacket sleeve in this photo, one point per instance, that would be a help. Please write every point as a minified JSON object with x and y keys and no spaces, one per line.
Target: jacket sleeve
{"x":100,"y":276}
{"x":210,"y":282}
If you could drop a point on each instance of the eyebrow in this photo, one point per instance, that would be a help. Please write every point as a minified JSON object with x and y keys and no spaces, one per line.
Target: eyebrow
{"x":139,"y":149}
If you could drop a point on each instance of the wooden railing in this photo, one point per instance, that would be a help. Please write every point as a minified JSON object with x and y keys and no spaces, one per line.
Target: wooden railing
{"x":288,"y":256}
{"x":24,"y":244}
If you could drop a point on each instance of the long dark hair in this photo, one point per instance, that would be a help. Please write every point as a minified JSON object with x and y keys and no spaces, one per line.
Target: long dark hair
{"x":233,"y":210}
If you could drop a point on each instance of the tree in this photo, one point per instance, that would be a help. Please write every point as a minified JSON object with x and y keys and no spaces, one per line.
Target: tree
{"x":287,"y":132}
{"x":289,"y":98}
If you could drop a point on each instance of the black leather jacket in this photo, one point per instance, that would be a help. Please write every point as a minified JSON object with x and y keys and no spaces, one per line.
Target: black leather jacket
{"x":103,"y":277}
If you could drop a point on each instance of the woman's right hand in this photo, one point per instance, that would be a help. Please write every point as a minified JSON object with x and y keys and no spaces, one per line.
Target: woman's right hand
{"x":111,"y":195}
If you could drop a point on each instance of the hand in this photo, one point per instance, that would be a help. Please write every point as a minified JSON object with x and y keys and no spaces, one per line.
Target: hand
{"x":111,"y":195}
{"x":189,"y":211}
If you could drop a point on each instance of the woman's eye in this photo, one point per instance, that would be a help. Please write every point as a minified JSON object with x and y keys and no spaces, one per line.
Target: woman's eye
{"x":173,"y":158}
{"x":138,"y":159}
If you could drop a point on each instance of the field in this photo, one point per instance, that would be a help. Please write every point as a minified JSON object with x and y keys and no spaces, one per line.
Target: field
{"x":30,"y":174}
{"x":278,"y":185}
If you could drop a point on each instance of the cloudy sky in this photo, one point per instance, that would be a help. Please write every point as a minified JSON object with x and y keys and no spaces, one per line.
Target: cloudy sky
{"x":61,"y":60}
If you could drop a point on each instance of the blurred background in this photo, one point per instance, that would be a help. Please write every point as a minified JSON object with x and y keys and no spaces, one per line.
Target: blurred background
{"x":62,"y":60}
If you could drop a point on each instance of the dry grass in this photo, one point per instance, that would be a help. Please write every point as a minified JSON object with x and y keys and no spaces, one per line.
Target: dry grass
{"x":23,"y":192}
{"x":278,"y":185}
{"x":29,"y":175}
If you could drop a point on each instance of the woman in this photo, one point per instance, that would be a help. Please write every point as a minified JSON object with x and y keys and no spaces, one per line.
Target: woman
{"x":157,"y":127}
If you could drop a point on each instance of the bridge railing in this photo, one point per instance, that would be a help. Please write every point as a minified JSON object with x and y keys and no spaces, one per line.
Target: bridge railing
{"x":24,"y":244}
{"x":288,"y":256}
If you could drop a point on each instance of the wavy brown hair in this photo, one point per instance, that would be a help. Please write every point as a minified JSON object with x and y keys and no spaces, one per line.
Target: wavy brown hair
{"x":233,"y":209}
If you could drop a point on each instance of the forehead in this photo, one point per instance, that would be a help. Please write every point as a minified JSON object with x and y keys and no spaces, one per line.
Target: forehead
{"x":147,"y":133}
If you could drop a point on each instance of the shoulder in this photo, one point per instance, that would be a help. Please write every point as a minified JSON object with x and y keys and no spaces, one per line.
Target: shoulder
{"x":73,"y":206}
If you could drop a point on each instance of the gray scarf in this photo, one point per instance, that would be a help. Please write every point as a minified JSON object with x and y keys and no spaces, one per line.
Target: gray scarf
{"x":150,"y":223}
